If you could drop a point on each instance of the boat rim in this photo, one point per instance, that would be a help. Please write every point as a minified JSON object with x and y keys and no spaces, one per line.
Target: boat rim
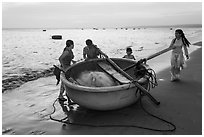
{"x":96,"y":89}
{"x":125,"y":86}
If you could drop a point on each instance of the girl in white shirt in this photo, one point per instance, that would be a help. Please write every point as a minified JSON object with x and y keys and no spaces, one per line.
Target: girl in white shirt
{"x":177,"y":59}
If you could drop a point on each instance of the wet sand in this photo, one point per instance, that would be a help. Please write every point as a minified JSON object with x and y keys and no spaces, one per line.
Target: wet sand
{"x":181,"y":102}
{"x":25,"y":110}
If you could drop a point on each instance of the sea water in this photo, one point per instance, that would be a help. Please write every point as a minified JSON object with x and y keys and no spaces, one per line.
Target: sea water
{"x":28,"y":54}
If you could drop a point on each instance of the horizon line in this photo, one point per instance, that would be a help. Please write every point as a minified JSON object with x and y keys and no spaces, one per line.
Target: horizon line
{"x":121,"y":27}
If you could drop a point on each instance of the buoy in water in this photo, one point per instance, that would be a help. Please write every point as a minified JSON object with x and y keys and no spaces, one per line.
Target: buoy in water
{"x":57,"y":37}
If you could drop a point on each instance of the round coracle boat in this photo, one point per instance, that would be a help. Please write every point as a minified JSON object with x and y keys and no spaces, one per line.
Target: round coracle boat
{"x":97,"y":84}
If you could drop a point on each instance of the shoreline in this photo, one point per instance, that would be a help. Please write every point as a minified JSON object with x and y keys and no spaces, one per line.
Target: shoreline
{"x":15,"y":82}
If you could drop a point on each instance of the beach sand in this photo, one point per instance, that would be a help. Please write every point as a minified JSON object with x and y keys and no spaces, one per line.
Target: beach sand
{"x":26,"y":110}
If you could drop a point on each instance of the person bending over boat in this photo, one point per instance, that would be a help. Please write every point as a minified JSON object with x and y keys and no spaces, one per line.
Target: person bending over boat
{"x":91,"y":51}
{"x":65,"y":60}
{"x":177,"y":58}
{"x":129,"y":54}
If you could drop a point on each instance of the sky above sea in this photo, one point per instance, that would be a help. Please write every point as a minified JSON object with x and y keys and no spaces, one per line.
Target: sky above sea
{"x":83,"y":14}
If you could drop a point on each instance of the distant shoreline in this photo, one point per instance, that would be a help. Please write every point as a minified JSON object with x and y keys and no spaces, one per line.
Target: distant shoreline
{"x":152,"y":26}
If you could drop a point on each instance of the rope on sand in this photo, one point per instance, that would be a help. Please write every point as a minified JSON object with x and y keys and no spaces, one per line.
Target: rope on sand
{"x":66,"y":121}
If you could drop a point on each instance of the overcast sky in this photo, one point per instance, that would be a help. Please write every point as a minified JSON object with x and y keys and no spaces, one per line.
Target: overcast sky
{"x":89,"y":14}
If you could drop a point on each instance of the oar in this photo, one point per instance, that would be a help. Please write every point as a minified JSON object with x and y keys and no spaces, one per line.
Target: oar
{"x":159,"y":53}
{"x":135,"y":82}
{"x":150,"y":57}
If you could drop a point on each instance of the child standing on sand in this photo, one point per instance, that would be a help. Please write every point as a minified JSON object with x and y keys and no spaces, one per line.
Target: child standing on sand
{"x":129,"y":54}
{"x":177,"y":58}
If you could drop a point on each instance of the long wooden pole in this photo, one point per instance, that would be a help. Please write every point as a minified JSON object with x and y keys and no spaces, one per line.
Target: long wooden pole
{"x":150,"y":57}
{"x":135,"y":82}
{"x":158,"y":53}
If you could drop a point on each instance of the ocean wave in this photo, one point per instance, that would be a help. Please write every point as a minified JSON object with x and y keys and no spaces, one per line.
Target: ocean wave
{"x":15,"y":81}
